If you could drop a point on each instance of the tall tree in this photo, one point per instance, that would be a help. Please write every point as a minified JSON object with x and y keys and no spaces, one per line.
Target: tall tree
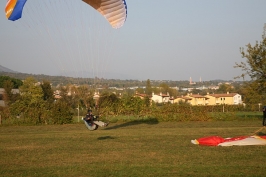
{"x":47,"y":90}
{"x":30,"y":103}
{"x":148,"y":87}
{"x":251,"y":96}
{"x":255,"y":65}
{"x":8,"y":86}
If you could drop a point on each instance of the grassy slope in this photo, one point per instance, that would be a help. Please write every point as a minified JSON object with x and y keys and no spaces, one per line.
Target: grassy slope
{"x":139,"y":149}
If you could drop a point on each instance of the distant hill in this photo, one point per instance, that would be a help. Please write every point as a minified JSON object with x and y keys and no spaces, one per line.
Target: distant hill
{"x":4,"y":69}
{"x":64,"y":80}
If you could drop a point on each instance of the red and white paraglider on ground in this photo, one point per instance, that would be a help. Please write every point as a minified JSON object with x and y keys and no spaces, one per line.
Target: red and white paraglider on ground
{"x":255,"y":139}
{"x":235,"y":141}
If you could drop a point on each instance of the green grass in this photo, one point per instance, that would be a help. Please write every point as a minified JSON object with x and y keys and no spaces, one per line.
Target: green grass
{"x":129,"y":149}
{"x":249,"y":115}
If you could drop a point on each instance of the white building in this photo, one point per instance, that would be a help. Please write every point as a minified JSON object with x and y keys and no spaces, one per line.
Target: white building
{"x":161,"y":98}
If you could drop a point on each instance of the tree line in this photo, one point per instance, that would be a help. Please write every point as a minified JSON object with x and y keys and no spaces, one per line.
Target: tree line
{"x":36,"y":104}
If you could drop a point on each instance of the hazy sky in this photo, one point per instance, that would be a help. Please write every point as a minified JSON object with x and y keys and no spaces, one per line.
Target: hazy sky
{"x":161,"y":40}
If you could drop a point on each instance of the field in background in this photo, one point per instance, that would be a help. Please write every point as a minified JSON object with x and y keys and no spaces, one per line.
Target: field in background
{"x":139,"y":148}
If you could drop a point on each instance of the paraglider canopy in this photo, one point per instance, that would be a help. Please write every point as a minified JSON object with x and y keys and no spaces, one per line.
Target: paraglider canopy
{"x":115,"y":11}
{"x":14,"y":9}
{"x":77,"y":39}
{"x":235,"y":141}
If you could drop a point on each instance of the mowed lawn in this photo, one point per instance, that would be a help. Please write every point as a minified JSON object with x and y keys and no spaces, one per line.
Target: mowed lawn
{"x":129,"y":149}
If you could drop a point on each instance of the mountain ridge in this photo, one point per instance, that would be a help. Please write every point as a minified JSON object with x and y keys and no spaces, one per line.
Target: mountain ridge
{"x":18,"y":75}
{"x":4,"y":69}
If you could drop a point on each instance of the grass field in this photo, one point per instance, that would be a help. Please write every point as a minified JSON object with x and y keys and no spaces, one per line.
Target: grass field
{"x":128,"y":150}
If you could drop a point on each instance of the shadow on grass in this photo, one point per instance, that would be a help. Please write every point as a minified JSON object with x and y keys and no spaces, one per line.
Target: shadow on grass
{"x":261,"y":131}
{"x":261,"y":134}
{"x":150,"y":121}
{"x":105,"y":138}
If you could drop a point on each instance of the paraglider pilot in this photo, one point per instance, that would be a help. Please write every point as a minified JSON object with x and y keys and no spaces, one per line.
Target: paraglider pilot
{"x":89,"y":118}
{"x":264,"y":116}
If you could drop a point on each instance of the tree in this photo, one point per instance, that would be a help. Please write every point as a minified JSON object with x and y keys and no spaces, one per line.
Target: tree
{"x":31,"y":91}
{"x":164,"y":88}
{"x":8,"y":85}
{"x":251,"y":96}
{"x":139,"y":90}
{"x":30,"y":103}
{"x":47,"y":90}
{"x":224,"y":88}
{"x":255,"y":65}
{"x":148,"y":87}
{"x":60,"y":113}
{"x":108,"y":102}
{"x":16,"y":82}
{"x":65,"y":96}
{"x":83,"y":95}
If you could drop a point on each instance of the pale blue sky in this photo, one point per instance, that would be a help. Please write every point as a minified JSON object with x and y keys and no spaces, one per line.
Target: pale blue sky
{"x":161,"y":40}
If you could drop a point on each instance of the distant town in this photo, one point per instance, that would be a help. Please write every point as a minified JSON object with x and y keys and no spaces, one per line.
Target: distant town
{"x":195,"y":93}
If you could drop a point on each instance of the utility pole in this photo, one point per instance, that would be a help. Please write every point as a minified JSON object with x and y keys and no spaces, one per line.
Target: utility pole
{"x":78,"y":112}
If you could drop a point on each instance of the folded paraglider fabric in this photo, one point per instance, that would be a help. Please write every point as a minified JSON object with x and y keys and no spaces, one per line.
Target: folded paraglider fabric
{"x":209,"y":141}
{"x":235,"y":141}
